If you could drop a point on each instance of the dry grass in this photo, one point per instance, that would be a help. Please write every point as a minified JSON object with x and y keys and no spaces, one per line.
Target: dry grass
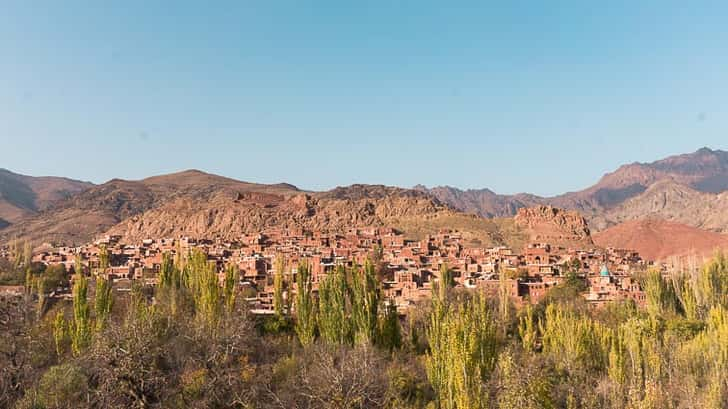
{"x":477,"y":231}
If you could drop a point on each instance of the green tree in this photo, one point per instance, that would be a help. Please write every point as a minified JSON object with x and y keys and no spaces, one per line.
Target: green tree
{"x":200,"y":278}
{"x":390,"y":332}
{"x":574,"y":341}
{"x":167,"y":272}
{"x":661,"y":298}
{"x":708,"y":355}
{"x":139,"y":310}
{"x":334,"y":308}
{"x":231,"y":279}
{"x":170,"y":289}
{"x":104,"y":302}
{"x":15,"y":255}
{"x":81,"y":327}
{"x":27,"y":254}
{"x":463,"y":350}
{"x":305,"y":308}
{"x":712,"y":284}
{"x":527,"y":329}
{"x":278,"y":284}
{"x":29,"y":280}
{"x":504,"y":299}
{"x":41,"y":292}
{"x":103,"y":258}
{"x":365,"y":303}
{"x":445,"y":281}
{"x":60,"y":333}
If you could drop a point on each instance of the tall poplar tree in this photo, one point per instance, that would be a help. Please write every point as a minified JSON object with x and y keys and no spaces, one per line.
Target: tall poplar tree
{"x":278,"y":283}
{"x":305,"y":308}
{"x":103,"y":258}
{"x":81,"y":326}
{"x":104,"y":302}
{"x":168,"y":274}
{"x":27,"y":254}
{"x":231,"y":279}
{"x":527,"y":329}
{"x":365,"y":303}
{"x":60,"y":332}
{"x":334,"y":308}
{"x":463,"y":351}
{"x":390,"y":332}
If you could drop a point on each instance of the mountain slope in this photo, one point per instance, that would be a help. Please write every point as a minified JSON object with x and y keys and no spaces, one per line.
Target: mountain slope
{"x":705,"y":170}
{"x":659,"y":239}
{"x":547,"y":224}
{"x":79,"y":218}
{"x":22,"y":196}
{"x":229,"y":213}
{"x":483,"y":202}
{"x":197,"y":204}
{"x":672,"y":201}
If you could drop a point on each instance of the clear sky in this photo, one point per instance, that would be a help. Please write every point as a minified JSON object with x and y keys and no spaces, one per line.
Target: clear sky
{"x":541,"y":96}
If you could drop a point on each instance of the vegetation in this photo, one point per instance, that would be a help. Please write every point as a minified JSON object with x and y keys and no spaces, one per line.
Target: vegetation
{"x":81,"y":325}
{"x":476,"y":231}
{"x":305,"y":307}
{"x":278,"y":286}
{"x":190,"y":343}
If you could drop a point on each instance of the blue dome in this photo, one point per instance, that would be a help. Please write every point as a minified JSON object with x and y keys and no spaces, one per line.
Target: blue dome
{"x":604,"y":272}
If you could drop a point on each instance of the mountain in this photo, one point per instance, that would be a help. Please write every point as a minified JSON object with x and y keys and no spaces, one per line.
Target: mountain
{"x":227,"y":213}
{"x":705,"y":170}
{"x":671,"y":201}
{"x":659,"y":239}
{"x":198,"y":204}
{"x":79,"y":218}
{"x":483,"y":202}
{"x":22,"y":196}
{"x":686,"y":188}
{"x":194,"y":203}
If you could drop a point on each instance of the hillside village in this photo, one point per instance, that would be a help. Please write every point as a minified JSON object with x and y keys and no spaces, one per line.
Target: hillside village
{"x":407,"y":268}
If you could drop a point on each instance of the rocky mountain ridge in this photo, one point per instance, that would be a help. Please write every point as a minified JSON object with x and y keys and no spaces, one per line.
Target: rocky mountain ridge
{"x":684,"y":189}
{"x":22,"y":196}
{"x":671,"y":201}
{"x":79,"y":218}
{"x":547,"y":224}
{"x":605,"y":203}
{"x":227,"y":213}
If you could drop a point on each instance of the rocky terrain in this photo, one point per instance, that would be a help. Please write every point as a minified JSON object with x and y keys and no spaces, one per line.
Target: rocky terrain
{"x":703,"y":171}
{"x":483,"y":202}
{"x":659,"y":239}
{"x":686,"y":189}
{"x":671,"y":201}
{"x":547,"y":224}
{"x":81,"y":217}
{"x":197,"y":204}
{"x":227,"y":213}
{"x":22,"y":196}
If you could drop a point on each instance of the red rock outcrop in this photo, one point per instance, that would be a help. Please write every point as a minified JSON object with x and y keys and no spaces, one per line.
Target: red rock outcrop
{"x":553,"y":225}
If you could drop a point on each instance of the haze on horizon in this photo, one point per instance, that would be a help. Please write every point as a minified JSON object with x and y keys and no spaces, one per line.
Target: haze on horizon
{"x":525,"y":97}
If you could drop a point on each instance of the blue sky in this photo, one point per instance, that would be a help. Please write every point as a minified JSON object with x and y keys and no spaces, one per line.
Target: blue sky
{"x":542,"y":97}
